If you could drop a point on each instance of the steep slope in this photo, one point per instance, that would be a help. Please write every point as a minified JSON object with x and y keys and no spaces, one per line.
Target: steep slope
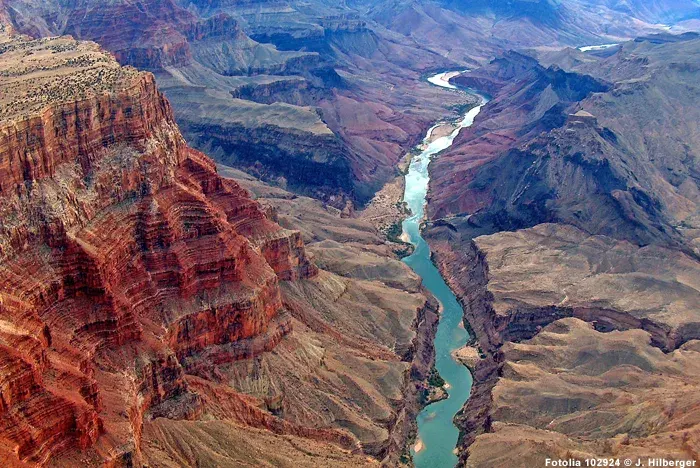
{"x":117,"y":240}
{"x":570,"y":200}
{"x":637,"y":169}
{"x":546,"y":384}
{"x":608,"y":394}
{"x":140,"y":291}
{"x":345,"y":78}
{"x":363,"y":327}
{"x":327,"y":88}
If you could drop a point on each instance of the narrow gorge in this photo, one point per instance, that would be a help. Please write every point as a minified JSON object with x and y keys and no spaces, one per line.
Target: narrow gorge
{"x":557,"y":235}
{"x":437,"y":434}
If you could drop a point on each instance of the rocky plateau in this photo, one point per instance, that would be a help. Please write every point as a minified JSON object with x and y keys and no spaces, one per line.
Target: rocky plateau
{"x":200,"y":206}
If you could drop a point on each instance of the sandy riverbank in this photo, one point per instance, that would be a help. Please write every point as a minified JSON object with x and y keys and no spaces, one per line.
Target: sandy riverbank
{"x":418,"y":447}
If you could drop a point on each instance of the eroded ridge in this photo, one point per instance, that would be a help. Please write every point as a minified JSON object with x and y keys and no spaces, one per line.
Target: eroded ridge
{"x":123,"y":257}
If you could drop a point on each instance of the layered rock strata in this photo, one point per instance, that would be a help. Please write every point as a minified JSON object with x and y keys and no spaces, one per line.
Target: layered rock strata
{"x":327,"y":113}
{"x":153,"y":313}
{"x":568,"y":202}
{"x":123,"y":252}
{"x":360,"y":352}
{"x":527,"y":296}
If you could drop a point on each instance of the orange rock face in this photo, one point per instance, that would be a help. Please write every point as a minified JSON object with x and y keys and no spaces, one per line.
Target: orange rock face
{"x":123,"y":256}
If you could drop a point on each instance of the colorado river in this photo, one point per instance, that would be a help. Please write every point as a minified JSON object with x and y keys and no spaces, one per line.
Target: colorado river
{"x":437,"y":434}
{"x":597,"y":47}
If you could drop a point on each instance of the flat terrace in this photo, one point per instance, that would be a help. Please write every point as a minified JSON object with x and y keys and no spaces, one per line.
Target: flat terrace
{"x":38,"y":73}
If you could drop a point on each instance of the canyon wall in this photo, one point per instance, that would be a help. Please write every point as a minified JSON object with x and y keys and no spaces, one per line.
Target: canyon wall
{"x":549,"y":385}
{"x":325,"y":108}
{"x":565,"y":220}
{"x":122,"y":251}
{"x":144,"y":298}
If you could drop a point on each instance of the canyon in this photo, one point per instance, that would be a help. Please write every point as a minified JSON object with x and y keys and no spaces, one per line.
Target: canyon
{"x":155,"y":313}
{"x":323,"y":99}
{"x":201,"y":218}
{"x":328,"y":117}
{"x":567,"y":226}
{"x":437,"y":436}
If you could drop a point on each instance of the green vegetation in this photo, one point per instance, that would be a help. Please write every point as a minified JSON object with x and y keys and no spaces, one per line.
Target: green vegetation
{"x":434,"y":379}
{"x":393,"y":233}
{"x":424,"y":397}
{"x":463,"y":108}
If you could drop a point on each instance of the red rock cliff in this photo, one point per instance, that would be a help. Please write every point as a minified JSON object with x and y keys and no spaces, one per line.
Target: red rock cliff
{"x":122,"y":253}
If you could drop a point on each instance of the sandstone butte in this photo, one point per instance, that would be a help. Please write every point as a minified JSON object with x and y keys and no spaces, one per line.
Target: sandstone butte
{"x":129,"y":270}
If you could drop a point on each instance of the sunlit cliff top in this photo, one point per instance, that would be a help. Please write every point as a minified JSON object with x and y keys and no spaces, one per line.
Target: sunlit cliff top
{"x":35,"y":74}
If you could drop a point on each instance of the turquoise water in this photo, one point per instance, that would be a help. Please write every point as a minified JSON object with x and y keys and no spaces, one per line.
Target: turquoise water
{"x":436,"y":430}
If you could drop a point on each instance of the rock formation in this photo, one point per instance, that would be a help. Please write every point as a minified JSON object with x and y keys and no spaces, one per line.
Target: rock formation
{"x":573,"y":132}
{"x":558,"y":386}
{"x":247,"y":78}
{"x":569,"y":204}
{"x":319,"y":109}
{"x":116,"y":238}
{"x":152,"y":312}
{"x":133,"y":278}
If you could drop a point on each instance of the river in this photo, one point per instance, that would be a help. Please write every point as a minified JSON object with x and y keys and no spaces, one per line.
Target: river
{"x":594,"y":48}
{"x":437,"y":434}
